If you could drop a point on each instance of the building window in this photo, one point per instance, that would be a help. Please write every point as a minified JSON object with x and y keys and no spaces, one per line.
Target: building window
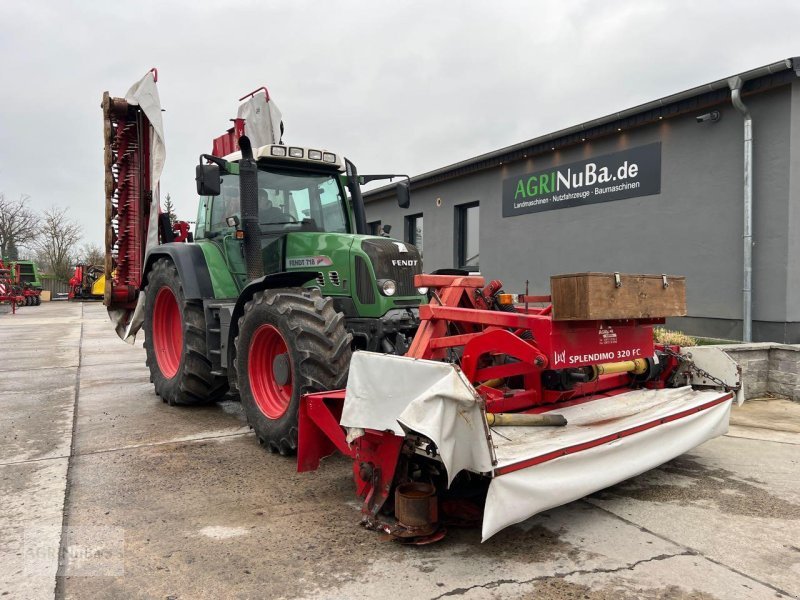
{"x":467,"y":235}
{"x":414,"y":231}
{"x":374,"y":227}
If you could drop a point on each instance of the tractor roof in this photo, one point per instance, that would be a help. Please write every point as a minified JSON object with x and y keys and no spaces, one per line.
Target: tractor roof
{"x":300,"y":154}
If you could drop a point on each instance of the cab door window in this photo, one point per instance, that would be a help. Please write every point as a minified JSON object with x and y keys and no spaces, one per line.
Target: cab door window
{"x":226,"y":204}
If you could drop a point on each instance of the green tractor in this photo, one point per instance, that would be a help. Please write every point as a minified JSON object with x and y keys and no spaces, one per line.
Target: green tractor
{"x":275,"y":289}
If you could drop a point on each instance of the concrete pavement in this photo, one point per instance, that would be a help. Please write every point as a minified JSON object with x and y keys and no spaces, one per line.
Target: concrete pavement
{"x":168,"y":502}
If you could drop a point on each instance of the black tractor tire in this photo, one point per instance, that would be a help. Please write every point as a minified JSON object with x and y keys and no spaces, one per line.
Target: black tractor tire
{"x":314,"y":357}
{"x":38,"y":300}
{"x":28,"y":300}
{"x":181,"y":371}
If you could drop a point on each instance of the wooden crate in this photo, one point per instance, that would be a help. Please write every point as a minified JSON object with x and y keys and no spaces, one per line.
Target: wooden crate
{"x":606,"y":296}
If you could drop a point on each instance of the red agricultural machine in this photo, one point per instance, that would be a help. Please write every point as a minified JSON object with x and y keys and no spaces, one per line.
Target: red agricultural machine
{"x":463,"y":403}
{"x":25,"y":275}
{"x":10,"y":292}
{"x":505,"y":409}
{"x":19,"y":284}
{"x":88,"y":282}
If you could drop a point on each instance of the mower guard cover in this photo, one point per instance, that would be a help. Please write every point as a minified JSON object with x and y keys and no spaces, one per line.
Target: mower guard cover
{"x":396,"y":393}
{"x":606,"y":440}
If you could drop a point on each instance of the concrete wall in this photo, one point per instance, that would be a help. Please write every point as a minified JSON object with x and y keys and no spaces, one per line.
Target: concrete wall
{"x":768,"y":369}
{"x":692,"y":228}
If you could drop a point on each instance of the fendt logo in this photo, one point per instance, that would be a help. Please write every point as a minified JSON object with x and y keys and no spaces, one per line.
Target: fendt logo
{"x":401,"y":247}
{"x":396,"y":262}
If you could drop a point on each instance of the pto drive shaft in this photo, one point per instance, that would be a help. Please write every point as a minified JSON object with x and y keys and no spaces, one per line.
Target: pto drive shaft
{"x":524,"y":420}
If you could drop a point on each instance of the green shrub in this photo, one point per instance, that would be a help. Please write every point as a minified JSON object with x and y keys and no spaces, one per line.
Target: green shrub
{"x":662,"y":335}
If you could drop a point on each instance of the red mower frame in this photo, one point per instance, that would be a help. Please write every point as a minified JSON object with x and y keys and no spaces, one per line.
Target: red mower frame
{"x":513,"y":343}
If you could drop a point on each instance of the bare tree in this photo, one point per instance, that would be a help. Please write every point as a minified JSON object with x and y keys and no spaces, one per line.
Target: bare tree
{"x":57,"y":241}
{"x":19,"y":226}
{"x":92,"y":254}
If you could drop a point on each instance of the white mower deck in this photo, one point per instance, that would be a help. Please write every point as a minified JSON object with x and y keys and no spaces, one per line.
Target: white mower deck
{"x":605,"y":441}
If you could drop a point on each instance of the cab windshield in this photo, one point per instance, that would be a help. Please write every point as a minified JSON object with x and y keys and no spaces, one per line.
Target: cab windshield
{"x":287,"y":200}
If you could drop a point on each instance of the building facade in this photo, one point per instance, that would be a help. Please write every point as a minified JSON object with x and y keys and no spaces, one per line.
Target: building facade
{"x":658,"y":188}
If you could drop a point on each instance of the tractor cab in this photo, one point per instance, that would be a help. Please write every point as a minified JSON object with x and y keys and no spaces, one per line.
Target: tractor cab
{"x":294,"y":194}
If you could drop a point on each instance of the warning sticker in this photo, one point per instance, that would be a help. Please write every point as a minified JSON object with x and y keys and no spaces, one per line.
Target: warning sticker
{"x":607,"y":335}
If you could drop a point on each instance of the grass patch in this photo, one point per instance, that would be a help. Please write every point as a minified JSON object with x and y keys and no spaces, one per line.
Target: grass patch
{"x":662,"y":335}
{"x":706,"y":341}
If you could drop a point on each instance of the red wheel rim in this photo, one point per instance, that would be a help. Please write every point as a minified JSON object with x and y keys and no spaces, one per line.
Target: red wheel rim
{"x":269,"y":371}
{"x":167,"y":332}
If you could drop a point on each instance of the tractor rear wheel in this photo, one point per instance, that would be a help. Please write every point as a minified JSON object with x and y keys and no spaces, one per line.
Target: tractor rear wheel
{"x":291,"y":342}
{"x":38,"y":300}
{"x":175,"y":341}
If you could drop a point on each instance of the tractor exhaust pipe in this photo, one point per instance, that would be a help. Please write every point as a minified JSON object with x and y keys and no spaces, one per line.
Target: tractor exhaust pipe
{"x":248,"y":203}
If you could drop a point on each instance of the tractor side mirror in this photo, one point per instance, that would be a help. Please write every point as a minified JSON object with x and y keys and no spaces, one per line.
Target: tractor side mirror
{"x":208,"y":180}
{"x":403,"y":194}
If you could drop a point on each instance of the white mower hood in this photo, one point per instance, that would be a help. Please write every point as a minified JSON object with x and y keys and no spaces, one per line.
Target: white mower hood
{"x":605,"y":441}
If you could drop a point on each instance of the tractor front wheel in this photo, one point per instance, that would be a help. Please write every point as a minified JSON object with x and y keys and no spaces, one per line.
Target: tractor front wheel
{"x":175,"y":341}
{"x":291,"y":342}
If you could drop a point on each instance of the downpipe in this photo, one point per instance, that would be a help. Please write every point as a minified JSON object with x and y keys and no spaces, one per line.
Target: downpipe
{"x":736,"y":84}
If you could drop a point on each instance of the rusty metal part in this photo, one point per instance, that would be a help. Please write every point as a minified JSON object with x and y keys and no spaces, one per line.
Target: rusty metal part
{"x":424,"y":540}
{"x":416,"y":508}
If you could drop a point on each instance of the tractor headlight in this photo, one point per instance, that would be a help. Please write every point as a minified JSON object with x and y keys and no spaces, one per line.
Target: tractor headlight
{"x":422,"y":290}
{"x":388,"y":287}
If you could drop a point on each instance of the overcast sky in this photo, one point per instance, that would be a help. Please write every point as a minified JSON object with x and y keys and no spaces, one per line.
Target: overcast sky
{"x":395,"y":86}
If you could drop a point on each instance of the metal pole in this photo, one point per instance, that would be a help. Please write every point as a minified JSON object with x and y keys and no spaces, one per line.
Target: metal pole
{"x":747,"y":235}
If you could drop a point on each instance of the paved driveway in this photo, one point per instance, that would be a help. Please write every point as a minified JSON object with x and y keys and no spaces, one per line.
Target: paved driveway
{"x":144,"y":500}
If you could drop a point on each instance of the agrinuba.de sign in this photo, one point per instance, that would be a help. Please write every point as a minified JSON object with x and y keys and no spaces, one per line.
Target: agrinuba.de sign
{"x":625,"y":174}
